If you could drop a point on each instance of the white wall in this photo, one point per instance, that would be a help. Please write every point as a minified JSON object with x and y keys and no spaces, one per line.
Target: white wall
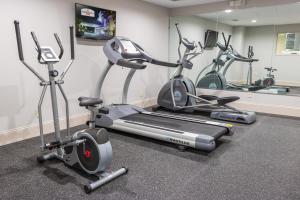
{"x":194,"y":28}
{"x":236,"y":72}
{"x":263,"y":38}
{"x":142,"y":22}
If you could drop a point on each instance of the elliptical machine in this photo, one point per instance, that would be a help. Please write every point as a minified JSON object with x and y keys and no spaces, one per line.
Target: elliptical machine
{"x":214,"y":79}
{"x":179,"y":94}
{"x":88,"y":150}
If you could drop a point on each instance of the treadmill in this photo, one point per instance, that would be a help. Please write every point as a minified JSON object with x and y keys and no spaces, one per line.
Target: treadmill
{"x":180,"y":130}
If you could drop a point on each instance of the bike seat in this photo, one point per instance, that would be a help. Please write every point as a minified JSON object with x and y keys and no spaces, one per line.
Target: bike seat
{"x":270,"y":69}
{"x":89,"y":101}
{"x":226,"y":100}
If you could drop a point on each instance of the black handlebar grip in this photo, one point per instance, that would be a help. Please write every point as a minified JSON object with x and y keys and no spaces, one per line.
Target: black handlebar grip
{"x":224,"y":38}
{"x":249,"y":52}
{"x":36,"y":41}
{"x":72,"y":42}
{"x":37,"y":45}
{"x":179,"y":33}
{"x":201,"y":46}
{"x":60,"y":45}
{"x":129,"y":64}
{"x":19,"y":40}
{"x":228,"y":41}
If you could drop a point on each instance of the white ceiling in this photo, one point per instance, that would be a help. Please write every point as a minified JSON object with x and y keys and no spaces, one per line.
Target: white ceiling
{"x":180,"y":3}
{"x":283,"y":14}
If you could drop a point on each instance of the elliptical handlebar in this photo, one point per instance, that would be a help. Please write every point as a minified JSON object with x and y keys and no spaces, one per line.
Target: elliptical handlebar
{"x":191,"y":48}
{"x":250,"y":52}
{"x":20,"y":51}
{"x":72,"y":42}
{"x":201,"y":46}
{"x":19,"y":40}
{"x":39,"y":50}
{"x":60,"y":45}
{"x":38,"y":46}
{"x":179,"y":33}
{"x":62,"y":76}
{"x":227,"y":41}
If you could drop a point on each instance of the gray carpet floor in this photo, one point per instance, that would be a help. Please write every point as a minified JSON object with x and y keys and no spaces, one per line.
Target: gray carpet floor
{"x":260,"y":162}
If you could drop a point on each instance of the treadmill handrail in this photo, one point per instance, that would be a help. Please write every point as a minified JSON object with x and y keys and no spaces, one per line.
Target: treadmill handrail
{"x":130,"y":64}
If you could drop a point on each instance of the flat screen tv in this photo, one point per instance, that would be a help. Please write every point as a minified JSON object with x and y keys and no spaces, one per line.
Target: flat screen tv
{"x":211,"y":38}
{"x":94,"y":23}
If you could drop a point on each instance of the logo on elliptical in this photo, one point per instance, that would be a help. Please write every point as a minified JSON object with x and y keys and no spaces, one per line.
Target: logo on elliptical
{"x":177,"y":95}
{"x":179,"y":141}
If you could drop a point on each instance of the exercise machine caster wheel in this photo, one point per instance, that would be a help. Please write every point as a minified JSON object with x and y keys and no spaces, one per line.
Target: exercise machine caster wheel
{"x":87,"y":189}
{"x":40,"y":159}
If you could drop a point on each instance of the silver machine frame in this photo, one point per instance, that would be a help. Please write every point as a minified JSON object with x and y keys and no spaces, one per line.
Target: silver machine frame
{"x":104,"y":150}
{"x":197,"y":140}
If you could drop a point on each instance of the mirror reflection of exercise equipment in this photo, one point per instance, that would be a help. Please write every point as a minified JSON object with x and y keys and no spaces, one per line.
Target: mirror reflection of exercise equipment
{"x":216,"y":78}
{"x":273,"y":37}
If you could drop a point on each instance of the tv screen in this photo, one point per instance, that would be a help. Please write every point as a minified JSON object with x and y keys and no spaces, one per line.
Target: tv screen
{"x":94,"y":23}
{"x":211,"y":38}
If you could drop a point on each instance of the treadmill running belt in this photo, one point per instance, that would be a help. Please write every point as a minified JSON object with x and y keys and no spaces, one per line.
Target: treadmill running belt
{"x":193,"y":127}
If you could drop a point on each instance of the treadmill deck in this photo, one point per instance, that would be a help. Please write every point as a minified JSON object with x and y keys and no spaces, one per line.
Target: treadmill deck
{"x":185,"y":126}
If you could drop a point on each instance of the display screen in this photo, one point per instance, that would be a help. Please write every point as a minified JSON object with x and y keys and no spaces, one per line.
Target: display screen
{"x":94,"y":23}
{"x":211,"y":38}
{"x":129,"y":47}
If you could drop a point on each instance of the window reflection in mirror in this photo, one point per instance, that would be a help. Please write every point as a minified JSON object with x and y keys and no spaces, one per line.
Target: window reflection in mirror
{"x":288,"y":43}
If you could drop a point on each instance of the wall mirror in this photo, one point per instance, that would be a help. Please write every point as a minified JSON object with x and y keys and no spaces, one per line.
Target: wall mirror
{"x":247,"y":50}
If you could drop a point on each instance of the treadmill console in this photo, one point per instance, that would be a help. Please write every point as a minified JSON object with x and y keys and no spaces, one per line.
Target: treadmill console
{"x":48,"y":55}
{"x":128,"y":49}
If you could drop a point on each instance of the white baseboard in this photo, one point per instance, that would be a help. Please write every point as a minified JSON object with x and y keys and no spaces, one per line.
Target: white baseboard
{"x":281,"y":110}
{"x":278,"y":82}
{"x":288,"y":83}
{"x":27,"y":132}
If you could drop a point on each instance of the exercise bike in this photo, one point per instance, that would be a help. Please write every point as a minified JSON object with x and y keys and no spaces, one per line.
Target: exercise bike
{"x":269,"y":80}
{"x":88,"y":150}
{"x":179,"y":94}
